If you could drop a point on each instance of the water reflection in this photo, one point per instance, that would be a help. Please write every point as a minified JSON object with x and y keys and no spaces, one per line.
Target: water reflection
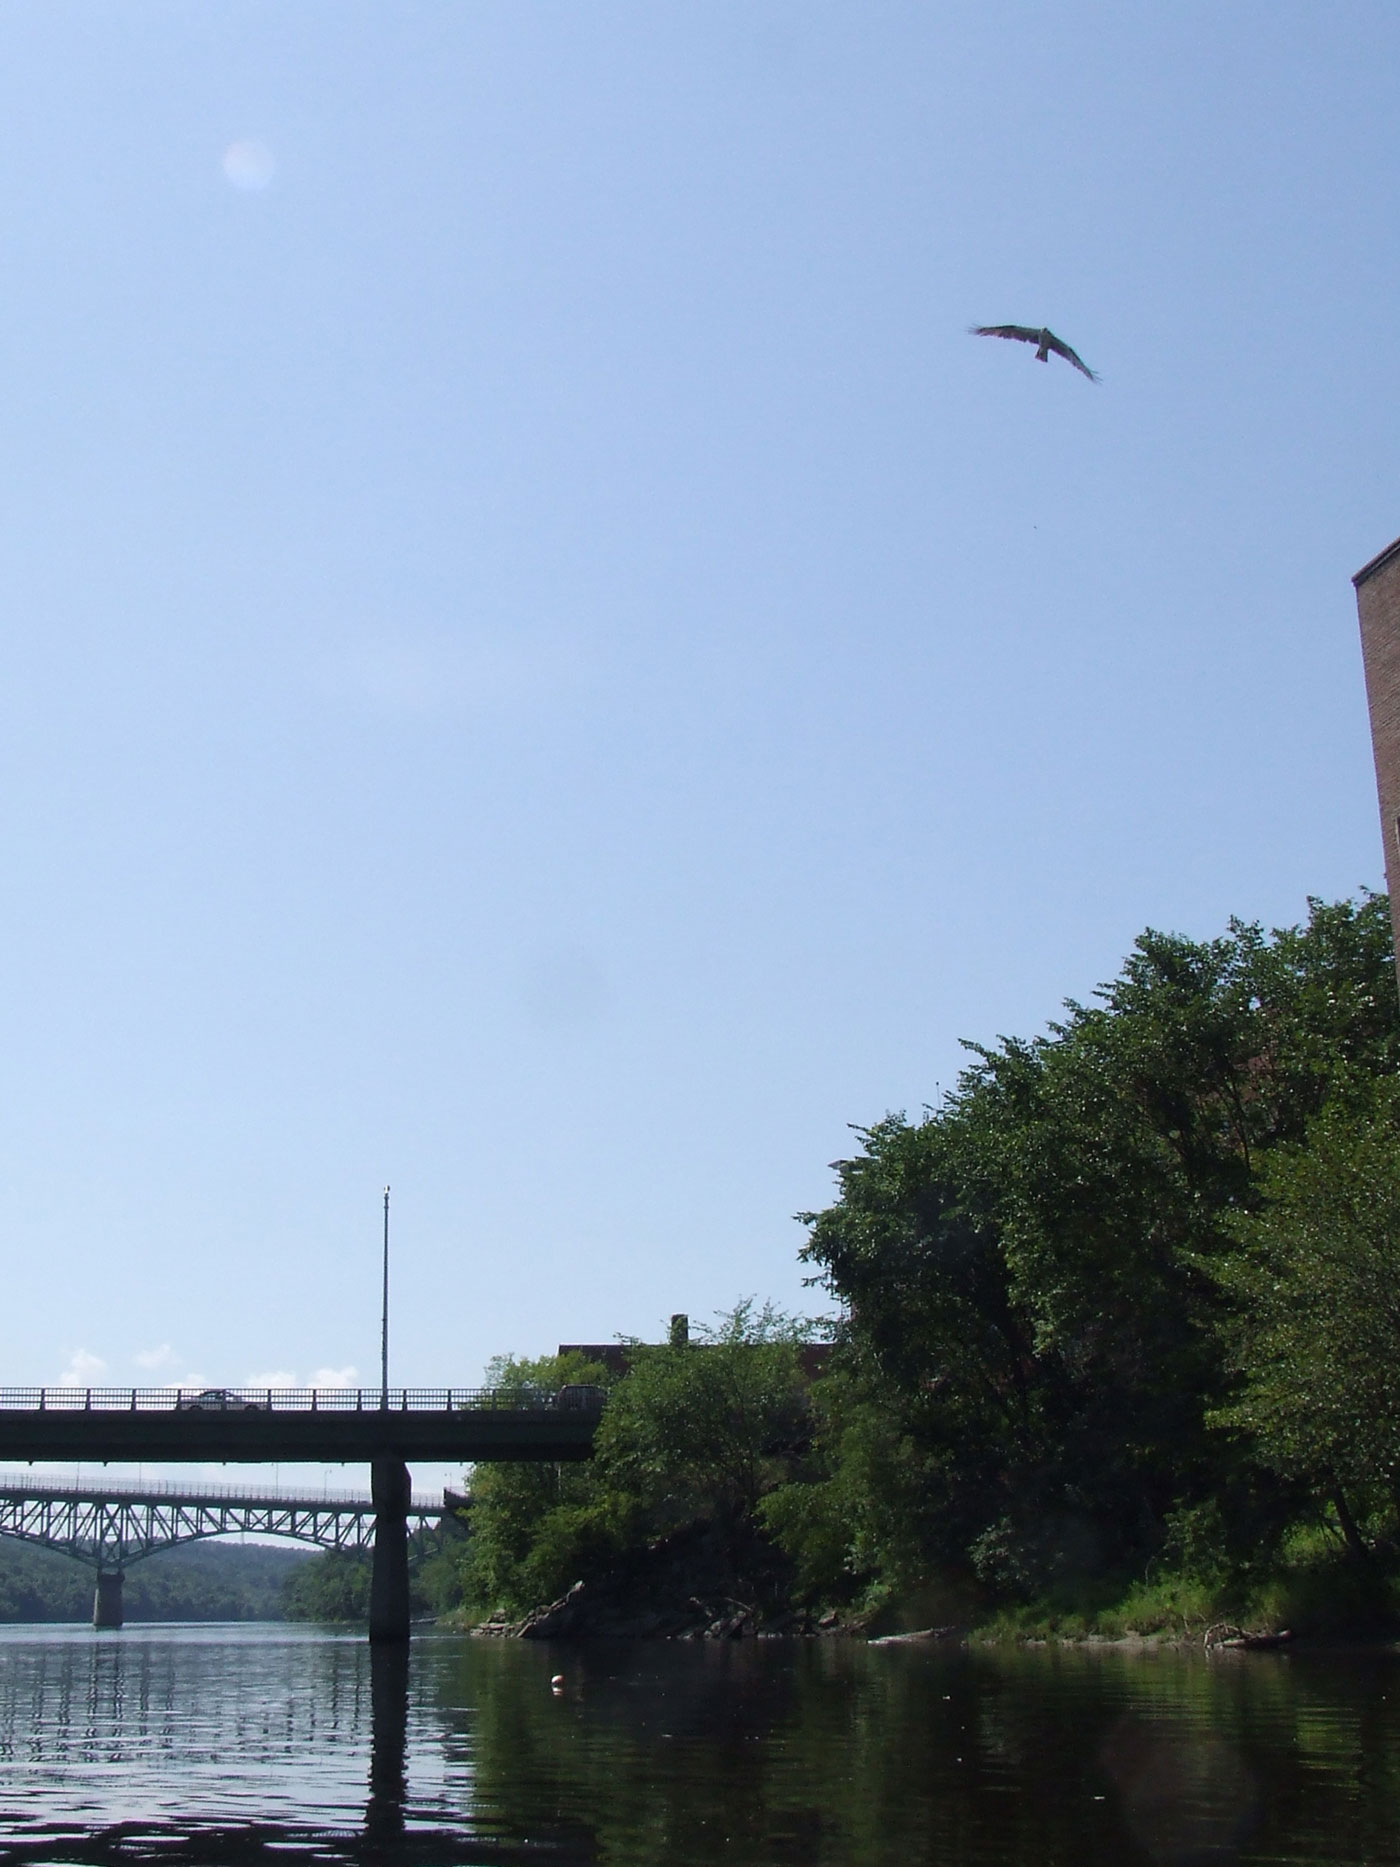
{"x":246,"y":1744}
{"x":1185,"y":1794}
{"x":388,"y":1777}
{"x":217,"y":1745}
{"x":830,"y":1753}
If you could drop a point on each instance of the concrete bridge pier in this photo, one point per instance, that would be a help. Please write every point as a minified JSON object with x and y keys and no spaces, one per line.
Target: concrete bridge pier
{"x":392,"y":1491}
{"x":107,"y":1601}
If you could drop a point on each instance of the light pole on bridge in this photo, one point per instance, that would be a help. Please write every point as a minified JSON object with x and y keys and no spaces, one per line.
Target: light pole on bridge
{"x":384,"y":1317}
{"x":392,"y":1492}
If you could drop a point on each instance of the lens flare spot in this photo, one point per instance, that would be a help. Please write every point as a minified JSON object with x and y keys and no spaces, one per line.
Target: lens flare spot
{"x":249,"y":165}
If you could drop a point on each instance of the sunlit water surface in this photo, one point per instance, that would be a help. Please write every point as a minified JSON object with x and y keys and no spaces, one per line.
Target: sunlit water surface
{"x":245,"y":1744}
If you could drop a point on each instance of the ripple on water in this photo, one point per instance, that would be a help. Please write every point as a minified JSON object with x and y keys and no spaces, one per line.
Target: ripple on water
{"x":229,"y":1745}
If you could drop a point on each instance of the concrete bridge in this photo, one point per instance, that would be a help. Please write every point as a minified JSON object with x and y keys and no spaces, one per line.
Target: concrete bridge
{"x":272,"y":1425}
{"x":325,"y":1425}
{"x":111,"y":1526}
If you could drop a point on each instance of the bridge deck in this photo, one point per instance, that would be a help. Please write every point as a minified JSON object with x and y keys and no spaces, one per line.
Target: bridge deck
{"x":284,"y":1425}
{"x":156,"y":1492}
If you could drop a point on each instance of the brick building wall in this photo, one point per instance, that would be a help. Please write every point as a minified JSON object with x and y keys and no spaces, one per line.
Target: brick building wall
{"x":1378,"y":605}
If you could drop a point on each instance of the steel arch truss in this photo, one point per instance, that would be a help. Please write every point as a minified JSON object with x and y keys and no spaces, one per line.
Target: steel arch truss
{"x":109,"y":1532}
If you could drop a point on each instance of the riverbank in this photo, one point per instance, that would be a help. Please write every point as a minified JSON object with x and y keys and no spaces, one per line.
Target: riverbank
{"x":1316,"y":1594}
{"x":579,"y":1615}
{"x":677,"y":1589}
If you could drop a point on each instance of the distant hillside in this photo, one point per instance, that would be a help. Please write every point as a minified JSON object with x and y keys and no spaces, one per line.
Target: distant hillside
{"x":213,"y":1581}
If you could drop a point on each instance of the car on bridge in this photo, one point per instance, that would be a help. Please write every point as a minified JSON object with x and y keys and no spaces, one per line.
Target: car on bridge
{"x":218,"y":1400}
{"x":580,"y":1397}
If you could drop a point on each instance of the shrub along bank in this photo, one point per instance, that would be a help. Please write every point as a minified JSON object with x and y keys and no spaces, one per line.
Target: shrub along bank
{"x":1119,"y":1321}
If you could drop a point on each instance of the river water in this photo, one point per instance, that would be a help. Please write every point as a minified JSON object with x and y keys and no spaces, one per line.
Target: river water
{"x":244,"y":1744}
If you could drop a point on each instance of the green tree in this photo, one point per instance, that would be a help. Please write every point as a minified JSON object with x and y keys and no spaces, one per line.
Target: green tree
{"x":332,"y":1586}
{"x":1314,"y":1333}
{"x":535,"y":1525}
{"x":695,"y":1432}
{"x":707,"y":1427}
{"x":1026,"y":1272}
{"x":870,"y":1500}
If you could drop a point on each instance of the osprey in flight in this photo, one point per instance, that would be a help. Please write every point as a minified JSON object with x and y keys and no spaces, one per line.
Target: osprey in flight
{"x":1045,"y":342}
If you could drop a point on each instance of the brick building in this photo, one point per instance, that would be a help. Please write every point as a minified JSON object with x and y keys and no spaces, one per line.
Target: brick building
{"x":1378,"y":605}
{"x":812,"y":1357}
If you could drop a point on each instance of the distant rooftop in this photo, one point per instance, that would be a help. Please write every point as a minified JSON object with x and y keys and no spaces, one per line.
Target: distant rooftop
{"x":812,"y":1357}
{"x":1381,"y":557}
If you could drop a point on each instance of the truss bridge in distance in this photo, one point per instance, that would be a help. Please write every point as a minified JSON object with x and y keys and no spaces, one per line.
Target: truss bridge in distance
{"x":110,"y":1525}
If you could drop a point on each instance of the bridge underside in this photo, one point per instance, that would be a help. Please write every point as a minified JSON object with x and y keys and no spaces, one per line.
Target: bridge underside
{"x":269,"y":1438}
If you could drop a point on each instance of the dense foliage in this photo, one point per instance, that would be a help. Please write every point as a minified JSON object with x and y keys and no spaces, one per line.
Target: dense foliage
{"x":332,"y":1586}
{"x":1044,"y":1279}
{"x":1314,"y":1330}
{"x":695,"y":1430}
{"x":1123,"y":1304}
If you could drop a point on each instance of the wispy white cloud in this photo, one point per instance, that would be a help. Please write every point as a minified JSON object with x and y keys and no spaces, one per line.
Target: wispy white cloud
{"x":319,"y":1377}
{"x":335,"y":1377}
{"x":84,"y":1369}
{"x":153,"y":1358}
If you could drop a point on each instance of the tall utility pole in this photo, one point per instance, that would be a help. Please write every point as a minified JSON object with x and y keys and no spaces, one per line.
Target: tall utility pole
{"x":384,"y":1317}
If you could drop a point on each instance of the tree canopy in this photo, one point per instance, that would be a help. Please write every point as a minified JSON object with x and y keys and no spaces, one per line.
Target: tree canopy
{"x":695,"y":1431}
{"x":1030,"y":1272}
{"x":1126,"y":1297}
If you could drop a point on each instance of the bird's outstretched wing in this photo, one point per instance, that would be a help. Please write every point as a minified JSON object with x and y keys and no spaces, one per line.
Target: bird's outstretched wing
{"x":1026,"y":335}
{"x":1021,"y":331}
{"x":1062,"y":349}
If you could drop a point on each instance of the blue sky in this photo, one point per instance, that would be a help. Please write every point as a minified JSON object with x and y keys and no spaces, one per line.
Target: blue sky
{"x":543,"y":665}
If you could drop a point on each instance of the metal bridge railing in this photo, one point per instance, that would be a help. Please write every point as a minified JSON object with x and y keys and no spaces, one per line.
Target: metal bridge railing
{"x":196,"y":1400}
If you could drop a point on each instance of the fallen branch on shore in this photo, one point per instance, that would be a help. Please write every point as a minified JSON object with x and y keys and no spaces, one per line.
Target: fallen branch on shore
{"x":918,"y":1634}
{"x":1237,"y":1639}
